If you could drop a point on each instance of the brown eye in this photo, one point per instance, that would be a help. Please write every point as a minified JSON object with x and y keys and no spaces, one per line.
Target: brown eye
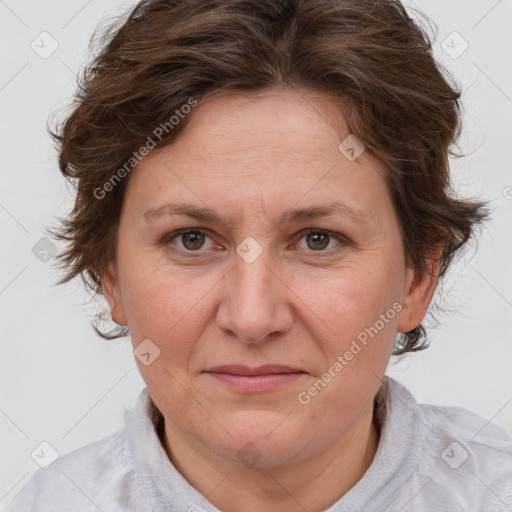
{"x":317,"y":240}
{"x":190,"y":241}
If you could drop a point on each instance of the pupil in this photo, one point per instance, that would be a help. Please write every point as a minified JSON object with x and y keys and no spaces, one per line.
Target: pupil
{"x":316,"y":237}
{"x":196,"y":239}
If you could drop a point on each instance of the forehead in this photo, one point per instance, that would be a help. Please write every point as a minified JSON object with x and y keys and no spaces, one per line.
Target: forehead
{"x":267,"y":150}
{"x":271,"y":123}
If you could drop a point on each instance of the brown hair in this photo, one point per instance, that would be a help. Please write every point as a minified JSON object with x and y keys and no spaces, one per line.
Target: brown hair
{"x":368,"y":53}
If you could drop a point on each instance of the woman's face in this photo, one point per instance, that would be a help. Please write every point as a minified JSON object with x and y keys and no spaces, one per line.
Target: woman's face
{"x":251,"y":287}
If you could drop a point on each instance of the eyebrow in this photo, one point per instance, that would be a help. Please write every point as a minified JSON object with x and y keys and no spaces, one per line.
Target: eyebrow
{"x":206,"y":214}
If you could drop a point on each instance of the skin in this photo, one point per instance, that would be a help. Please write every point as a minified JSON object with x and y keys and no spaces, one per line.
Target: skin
{"x":250,"y":158}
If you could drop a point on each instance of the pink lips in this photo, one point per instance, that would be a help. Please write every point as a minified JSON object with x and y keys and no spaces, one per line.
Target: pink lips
{"x":257,"y":379}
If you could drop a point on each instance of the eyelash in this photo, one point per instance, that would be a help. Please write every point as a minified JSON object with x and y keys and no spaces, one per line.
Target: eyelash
{"x":195,"y":254}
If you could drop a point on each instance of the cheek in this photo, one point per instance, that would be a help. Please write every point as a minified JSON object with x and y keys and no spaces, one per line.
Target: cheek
{"x":165,"y":305}
{"x":345,"y":303}
{"x":357,"y":332}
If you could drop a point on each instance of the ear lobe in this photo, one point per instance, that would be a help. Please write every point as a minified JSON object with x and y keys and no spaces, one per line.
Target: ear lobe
{"x":419,"y":290}
{"x":112,"y":292}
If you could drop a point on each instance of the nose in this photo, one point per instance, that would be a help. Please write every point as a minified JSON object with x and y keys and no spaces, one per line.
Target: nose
{"x":255,"y":303}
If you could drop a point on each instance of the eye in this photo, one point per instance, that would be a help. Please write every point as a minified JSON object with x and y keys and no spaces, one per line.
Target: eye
{"x":191,"y":240}
{"x":318,"y":240}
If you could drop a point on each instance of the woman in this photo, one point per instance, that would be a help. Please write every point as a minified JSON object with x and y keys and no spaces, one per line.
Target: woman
{"x":263,"y":199}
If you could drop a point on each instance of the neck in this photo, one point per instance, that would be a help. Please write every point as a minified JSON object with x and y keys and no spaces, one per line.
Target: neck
{"x":313,"y":483}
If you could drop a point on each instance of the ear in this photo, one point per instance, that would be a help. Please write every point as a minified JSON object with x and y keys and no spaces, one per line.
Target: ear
{"x":419,"y":290}
{"x":112,"y":292}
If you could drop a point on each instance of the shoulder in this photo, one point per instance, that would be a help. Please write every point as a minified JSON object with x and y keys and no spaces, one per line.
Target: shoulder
{"x":94,"y":476}
{"x":482,"y":439}
{"x":470,"y":455}
{"x":444,"y":458}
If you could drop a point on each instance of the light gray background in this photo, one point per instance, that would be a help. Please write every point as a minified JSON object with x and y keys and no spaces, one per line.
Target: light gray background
{"x":62,"y":384}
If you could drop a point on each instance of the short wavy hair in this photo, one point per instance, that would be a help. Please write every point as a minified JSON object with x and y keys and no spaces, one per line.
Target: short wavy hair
{"x":370,"y":54}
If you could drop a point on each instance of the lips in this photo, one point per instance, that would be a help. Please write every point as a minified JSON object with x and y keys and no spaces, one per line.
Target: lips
{"x":266,"y":369}
{"x":258,"y":379}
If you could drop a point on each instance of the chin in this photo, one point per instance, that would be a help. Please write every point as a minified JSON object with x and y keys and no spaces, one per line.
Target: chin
{"x":261,"y":436}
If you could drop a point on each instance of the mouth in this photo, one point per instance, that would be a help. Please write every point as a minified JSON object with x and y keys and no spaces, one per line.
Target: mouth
{"x":256,"y":379}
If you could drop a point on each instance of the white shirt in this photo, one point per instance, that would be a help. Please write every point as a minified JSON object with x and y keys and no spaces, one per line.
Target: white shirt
{"x":429,"y":458}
